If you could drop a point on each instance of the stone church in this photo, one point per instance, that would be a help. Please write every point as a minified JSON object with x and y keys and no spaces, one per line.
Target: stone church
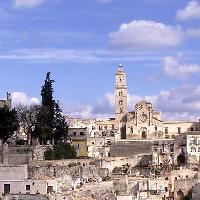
{"x":144,"y":122}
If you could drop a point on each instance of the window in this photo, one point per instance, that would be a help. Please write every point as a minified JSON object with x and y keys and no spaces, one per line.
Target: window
{"x":82,"y":133}
{"x":49,"y":189}
{"x":192,"y":129}
{"x":74,"y":133}
{"x":193,"y":149}
{"x":113,"y":126}
{"x":172,"y":147}
{"x":6,"y":188}
{"x":121,"y":110}
{"x":105,"y":128}
{"x":192,"y":141}
{"x":120,"y":93}
{"x":156,"y":128}
{"x":179,"y":130}
{"x":28,"y":187}
{"x":166,"y":130}
{"x":121,"y":102}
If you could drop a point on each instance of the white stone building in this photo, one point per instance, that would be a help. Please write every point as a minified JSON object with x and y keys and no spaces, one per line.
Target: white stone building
{"x":193,"y":147}
{"x":14,"y":180}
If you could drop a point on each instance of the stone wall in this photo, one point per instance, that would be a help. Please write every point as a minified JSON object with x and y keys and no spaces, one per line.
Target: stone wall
{"x":21,"y":154}
{"x":133,"y":161}
{"x":184,"y":185}
{"x":70,"y":174}
{"x":130,"y":148}
{"x":38,"y":151}
{"x":15,"y":155}
{"x":25,"y":197}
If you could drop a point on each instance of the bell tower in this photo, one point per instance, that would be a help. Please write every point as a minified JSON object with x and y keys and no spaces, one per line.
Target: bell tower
{"x":121,"y":100}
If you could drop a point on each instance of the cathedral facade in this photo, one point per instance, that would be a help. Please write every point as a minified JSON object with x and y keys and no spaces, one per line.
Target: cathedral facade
{"x":144,"y":122}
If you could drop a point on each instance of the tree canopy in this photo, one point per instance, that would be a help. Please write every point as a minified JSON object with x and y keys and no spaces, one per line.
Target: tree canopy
{"x":8,"y":123}
{"x":50,"y":121}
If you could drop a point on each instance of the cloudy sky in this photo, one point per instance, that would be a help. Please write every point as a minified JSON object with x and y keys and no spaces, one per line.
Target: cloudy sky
{"x":81,"y":42}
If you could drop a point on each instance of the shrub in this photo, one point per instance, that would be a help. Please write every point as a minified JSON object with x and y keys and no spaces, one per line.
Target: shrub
{"x":48,"y":154}
{"x":60,"y":151}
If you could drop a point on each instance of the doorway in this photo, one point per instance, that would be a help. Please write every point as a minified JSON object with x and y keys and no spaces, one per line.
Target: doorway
{"x":6,"y":188}
{"x":144,"y":132}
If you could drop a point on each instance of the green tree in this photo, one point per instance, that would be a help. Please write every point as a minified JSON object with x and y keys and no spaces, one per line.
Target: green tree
{"x":8,"y":123}
{"x":51,"y":123}
{"x":60,"y":125}
{"x":44,"y":129}
{"x":60,"y":151}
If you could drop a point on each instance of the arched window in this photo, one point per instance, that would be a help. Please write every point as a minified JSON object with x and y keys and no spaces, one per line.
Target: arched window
{"x":120,"y":102}
{"x":120,"y":93}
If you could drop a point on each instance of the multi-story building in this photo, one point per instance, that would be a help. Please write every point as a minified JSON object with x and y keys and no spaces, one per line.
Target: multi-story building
{"x":78,"y":138}
{"x":193,"y":147}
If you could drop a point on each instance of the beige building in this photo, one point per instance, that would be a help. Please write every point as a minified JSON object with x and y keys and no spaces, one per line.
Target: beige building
{"x":144,"y":122}
{"x":79,"y":140}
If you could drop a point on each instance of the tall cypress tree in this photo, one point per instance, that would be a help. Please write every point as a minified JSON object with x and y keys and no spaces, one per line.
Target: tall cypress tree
{"x":44,"y":129}
{"x":60,"y":125}
{"x":51,"y":123}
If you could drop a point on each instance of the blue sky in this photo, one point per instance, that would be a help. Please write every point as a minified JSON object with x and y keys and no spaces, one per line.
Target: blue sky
{"x":82,"y":42}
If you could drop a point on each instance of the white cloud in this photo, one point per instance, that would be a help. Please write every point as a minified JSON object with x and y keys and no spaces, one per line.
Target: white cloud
{"x":173,"y":67}
{"x":195,"y":33}
{"x":181,"y":103}
{"x":144,"y":34}
{"x":75,"y":55}
{"x":28,"y":3}
{"x":191,"y":11}
{"x":22,"y":98}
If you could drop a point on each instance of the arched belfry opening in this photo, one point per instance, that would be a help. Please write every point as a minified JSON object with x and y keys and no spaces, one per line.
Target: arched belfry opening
{"x":180,"y":195}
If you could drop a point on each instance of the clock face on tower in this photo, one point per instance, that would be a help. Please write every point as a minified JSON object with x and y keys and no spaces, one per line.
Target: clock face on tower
{"x":143,"y":117}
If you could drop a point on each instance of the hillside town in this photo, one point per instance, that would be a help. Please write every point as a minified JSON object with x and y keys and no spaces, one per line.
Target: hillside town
{"x":132,"y":156}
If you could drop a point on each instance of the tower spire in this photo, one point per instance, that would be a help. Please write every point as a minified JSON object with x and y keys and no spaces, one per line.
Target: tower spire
{"x":120,"y":99}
